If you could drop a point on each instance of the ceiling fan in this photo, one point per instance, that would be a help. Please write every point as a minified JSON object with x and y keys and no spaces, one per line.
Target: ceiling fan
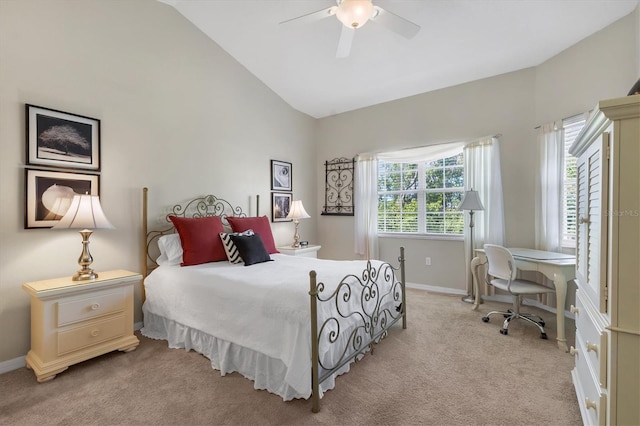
{"x":354,"y":14}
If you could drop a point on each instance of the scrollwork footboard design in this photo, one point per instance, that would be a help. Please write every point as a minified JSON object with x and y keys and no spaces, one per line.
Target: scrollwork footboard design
{"x":362,"y":308}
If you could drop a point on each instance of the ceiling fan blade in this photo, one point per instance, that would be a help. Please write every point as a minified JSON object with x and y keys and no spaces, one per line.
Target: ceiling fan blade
{"x":344,"y":44}
{"x":395,"y":23}
{"x":312,"y":17}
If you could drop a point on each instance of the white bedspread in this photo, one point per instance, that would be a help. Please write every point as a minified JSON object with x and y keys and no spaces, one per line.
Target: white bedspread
{"x":263,"y":308}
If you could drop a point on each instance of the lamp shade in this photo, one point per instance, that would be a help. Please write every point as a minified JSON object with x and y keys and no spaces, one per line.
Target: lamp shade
{"x":354,"y":13}
{"x":84,"y":212}
{"x":471,"y":201}
{"x":297,"y":211}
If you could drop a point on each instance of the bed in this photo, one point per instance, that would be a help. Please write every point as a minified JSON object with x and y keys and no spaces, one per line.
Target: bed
{"x":290,"y":324}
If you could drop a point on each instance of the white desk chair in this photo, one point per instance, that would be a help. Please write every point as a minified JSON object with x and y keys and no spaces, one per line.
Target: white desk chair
{"x":502,"y":268}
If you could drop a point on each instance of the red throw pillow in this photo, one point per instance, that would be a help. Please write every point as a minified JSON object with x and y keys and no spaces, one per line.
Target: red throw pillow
{"x":260,"y":226}
{"x":199,"y":239}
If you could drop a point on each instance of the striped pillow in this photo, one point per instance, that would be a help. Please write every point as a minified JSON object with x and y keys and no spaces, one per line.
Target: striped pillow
{"x":230,"y":248}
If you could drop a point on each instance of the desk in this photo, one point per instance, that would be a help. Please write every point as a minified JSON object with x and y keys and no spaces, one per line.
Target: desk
{"x":558,"y":267}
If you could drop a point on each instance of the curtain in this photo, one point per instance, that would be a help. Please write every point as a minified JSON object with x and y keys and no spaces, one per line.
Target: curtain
{"x":366,"y":206}
{"x":548,"y":205}
{"x":482,"y":172}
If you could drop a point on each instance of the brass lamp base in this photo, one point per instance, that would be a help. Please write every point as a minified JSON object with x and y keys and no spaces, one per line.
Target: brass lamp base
{"x":83,"y":275}
{"x":85,"y":259}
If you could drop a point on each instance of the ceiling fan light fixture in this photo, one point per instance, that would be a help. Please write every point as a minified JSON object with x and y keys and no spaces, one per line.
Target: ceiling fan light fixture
{"x":354,"y":13}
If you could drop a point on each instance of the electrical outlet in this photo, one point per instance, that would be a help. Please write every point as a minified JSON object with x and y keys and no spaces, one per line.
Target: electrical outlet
{"x":427,"y":261}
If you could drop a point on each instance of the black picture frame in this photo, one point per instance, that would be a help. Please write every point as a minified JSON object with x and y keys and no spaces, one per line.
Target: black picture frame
{"x":61,"y":139}
{"x":280,"y":206}
{"x":43,"y":209}
{"x":281,"y":176}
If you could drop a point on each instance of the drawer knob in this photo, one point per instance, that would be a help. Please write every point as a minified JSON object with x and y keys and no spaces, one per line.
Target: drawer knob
{"x":590,"y":404}
{"x":592,"y":347}
{"x":95,"y":306}
{"x":95,"y":333}
{"x":584,"y":220}
{"x":574,"y":309}
{"x":573,"y":351}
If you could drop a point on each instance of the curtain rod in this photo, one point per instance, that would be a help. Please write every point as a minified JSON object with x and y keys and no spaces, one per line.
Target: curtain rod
{"x":563,"y":119}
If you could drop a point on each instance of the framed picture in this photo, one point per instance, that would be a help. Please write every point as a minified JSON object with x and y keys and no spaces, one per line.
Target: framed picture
{"x":281,"y":176}
{"x":60,"y":139}
{"x":49,"y":193}
{"x":280,"y":206}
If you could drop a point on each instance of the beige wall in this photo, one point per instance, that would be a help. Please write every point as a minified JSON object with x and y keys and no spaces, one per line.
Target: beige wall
{"x":177,"y":112}
{"x":178,"y":115}
{"x":602,"y":66}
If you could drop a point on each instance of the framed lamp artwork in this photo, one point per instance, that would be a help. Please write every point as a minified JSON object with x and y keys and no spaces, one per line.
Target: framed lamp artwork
{"x":281,"y":176}
{"x":280,"y":206}
{"x":48,"y":194}
{"x":61,"y":139}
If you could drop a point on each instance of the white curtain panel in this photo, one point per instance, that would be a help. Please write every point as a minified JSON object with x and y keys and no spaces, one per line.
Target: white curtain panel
{"x":548,"y":214}
{"x":482,"y":172}
{"x":366,"y":206}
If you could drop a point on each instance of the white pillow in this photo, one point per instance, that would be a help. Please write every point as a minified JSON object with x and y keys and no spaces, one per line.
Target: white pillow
{"x":170,"y":250}
{"x":230,"y":248}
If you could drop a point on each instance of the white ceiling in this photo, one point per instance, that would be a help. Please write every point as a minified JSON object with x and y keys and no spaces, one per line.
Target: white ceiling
{"x":460,"y":41}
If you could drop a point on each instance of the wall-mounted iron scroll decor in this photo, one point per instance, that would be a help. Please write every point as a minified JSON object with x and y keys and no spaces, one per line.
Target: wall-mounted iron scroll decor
{"x":338,"y":190}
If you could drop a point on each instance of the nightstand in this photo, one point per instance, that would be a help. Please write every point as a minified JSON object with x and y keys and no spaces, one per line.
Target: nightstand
{"x":306,"y":251}
{"x":72,"y":321}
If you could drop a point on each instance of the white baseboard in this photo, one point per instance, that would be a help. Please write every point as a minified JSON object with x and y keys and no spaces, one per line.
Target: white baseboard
{"x":495,"y":298}
{"x":12,"y":364}
{"x":435,"y":289}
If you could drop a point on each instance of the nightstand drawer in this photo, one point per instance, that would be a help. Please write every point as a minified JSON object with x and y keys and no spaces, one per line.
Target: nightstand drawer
{"x":91,"y":334}
{"x":98,"y":304}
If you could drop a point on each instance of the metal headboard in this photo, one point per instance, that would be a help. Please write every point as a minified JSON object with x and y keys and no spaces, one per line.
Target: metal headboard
{"x":207,"y":205}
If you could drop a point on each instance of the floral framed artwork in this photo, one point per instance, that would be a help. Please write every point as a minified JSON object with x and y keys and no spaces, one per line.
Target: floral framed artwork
{"x":280,"y":206}
{"x":49,"y":193}
{"x":281,"y":176}
{"x":61,"y":139}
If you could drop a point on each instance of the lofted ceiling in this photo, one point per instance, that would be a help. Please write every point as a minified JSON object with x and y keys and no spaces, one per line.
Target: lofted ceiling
{"x":459,"y":41}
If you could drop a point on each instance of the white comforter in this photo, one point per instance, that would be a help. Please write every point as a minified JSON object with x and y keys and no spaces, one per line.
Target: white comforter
{"x":263,"y":307}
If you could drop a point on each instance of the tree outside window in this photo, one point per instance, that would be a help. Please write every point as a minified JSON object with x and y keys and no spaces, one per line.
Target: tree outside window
{"x":421,"y":198}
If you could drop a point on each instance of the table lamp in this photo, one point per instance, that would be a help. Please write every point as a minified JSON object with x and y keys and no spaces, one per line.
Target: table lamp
{"x":470,"y":201}
{"x":296,"y":213}
{"x":84,"y":213}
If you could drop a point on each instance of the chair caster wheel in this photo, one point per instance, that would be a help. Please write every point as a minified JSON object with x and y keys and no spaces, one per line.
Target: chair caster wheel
{"x":504,"y":331}
{"x":506,"y":315}
{"x":543,"y":336}
{"x":485,"y":319}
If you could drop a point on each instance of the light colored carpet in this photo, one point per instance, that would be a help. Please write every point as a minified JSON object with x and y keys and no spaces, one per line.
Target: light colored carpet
{"x":446,"y":368}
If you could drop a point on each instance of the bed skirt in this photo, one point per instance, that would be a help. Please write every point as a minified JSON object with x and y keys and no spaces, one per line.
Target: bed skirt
{"x":266,"y":372}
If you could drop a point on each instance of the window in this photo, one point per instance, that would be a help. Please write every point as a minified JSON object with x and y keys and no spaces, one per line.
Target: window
{"x":421,"y":197}
{"x":572,"y":127}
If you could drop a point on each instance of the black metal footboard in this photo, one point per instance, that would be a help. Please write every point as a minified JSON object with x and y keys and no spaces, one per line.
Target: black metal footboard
{"x":362,"y":308}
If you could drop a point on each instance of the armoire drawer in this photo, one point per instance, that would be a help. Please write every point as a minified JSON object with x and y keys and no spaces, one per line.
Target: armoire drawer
{"x":591,"y":397}
{"x":591,"y":340}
